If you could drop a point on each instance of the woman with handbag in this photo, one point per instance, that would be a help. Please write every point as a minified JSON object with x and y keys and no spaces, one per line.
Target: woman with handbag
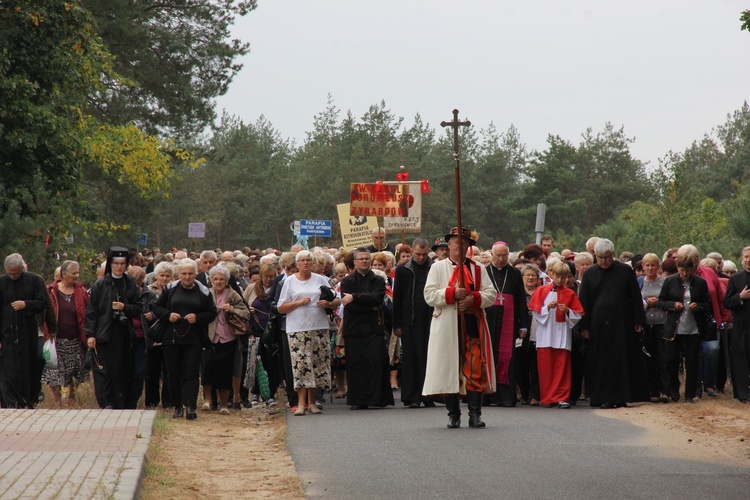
{"x":69,"y":300}
{"x":156,"y":366}
{"x":686,"y":299}
{"x":260,"y":308}
{"x":307,"y":328}
{"x":708,"y":357}
{"x":218,"y":359}
{"x":187,"y":308}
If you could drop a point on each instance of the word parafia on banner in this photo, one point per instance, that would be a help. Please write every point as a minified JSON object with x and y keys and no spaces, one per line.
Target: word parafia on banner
{"x":356,"y":230}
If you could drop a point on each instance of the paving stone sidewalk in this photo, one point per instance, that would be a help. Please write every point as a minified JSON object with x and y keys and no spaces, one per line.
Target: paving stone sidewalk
{"x":73,"y":453}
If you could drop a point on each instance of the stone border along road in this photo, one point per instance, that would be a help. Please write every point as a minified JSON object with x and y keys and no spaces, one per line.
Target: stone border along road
{"x":73,"y":453}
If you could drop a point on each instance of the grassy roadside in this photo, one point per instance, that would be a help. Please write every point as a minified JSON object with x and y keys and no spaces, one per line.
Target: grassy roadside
{"x":157,"y":481}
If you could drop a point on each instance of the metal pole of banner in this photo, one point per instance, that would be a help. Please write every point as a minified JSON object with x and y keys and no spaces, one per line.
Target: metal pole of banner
{"x":541,"y":214}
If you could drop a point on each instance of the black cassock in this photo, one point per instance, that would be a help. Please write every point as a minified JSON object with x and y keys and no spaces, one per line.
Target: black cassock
{"x":506,"y":281}
{"x":19,"y":365}
{"x":412,"y":314}
{"x":367,"y":365}
{"x":615,"y":364}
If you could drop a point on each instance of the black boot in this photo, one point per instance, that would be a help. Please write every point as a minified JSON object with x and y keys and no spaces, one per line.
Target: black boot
{"x":178,"y":412}
{"x":453,"y":404}
{"x":474,"y":401}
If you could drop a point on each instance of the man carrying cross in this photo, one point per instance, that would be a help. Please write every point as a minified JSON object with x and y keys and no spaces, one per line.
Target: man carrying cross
{"x":459,"y":353}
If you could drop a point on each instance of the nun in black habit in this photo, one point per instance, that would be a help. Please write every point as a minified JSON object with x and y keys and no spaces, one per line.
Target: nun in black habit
{"x":110,"y":333}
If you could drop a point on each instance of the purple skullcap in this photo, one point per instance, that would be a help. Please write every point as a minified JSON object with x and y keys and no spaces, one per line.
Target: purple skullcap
{"x":499,"y":243}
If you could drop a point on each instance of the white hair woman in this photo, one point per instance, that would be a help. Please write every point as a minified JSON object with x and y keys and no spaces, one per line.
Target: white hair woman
{"x":155,"y":362}
{"x":729,"y":267}
{"x":69,"y":300}
{"x":188,"y":308}
{"x":583,"y":261}
{"x":219,"y":359}
{"x":307,"y":328}
{"x":527,"y":373}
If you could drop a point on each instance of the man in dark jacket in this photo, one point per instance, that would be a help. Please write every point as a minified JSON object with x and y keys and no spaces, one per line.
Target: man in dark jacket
{"x":109,"y":330}
{"x":378,"y":242}
{"x":411,"y":322}
{"x":367,"y":366}
{"x":207,"y":260}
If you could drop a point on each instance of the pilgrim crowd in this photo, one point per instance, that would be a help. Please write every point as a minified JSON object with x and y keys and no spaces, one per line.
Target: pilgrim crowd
{"x":529,"y":326}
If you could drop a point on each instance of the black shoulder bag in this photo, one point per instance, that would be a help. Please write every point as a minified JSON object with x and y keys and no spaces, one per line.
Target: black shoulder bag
{"x":158,"y":328}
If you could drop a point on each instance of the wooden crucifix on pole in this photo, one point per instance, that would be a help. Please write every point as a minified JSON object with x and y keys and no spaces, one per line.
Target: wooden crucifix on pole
{"x":454,"y":125}
{"x":462,"y":252}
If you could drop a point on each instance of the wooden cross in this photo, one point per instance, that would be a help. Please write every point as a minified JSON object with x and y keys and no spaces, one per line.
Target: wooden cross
{"x":454,"y":125}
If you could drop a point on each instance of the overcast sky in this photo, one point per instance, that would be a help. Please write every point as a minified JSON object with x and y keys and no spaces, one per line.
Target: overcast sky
{"x":666,"y":70}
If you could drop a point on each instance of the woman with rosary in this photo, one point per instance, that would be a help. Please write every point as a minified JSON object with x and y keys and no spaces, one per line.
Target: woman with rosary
{"x":188,"y":308}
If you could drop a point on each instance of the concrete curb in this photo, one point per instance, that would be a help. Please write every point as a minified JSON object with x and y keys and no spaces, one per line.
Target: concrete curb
{"x":73,"y":453}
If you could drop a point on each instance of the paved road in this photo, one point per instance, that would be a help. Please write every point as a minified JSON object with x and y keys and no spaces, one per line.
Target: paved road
{"x":523,"y":453}
{"x":73,"y":454}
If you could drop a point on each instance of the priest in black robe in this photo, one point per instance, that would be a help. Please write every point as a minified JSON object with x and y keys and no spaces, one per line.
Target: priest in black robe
{"x":738,"y":301}
{"x":411,"y":322}
{"x":613,"y":322}
{"x":506,"y":323}
{"x":22,"y":298}
{"x":367,"y":364}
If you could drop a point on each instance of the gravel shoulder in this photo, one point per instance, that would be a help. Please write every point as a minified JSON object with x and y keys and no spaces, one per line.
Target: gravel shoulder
{"x":713,"y":430}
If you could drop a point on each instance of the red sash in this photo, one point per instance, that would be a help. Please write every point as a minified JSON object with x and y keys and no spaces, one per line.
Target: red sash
{"x":484,"y":332}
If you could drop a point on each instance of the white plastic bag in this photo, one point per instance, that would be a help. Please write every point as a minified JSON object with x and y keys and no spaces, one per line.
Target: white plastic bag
{"x":50,"y":354}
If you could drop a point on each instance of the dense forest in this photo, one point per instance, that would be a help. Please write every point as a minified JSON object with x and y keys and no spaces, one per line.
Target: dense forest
{"x":104,"y":108}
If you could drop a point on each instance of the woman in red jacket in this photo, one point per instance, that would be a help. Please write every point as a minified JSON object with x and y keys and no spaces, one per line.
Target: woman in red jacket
{"x":69,"y":300}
